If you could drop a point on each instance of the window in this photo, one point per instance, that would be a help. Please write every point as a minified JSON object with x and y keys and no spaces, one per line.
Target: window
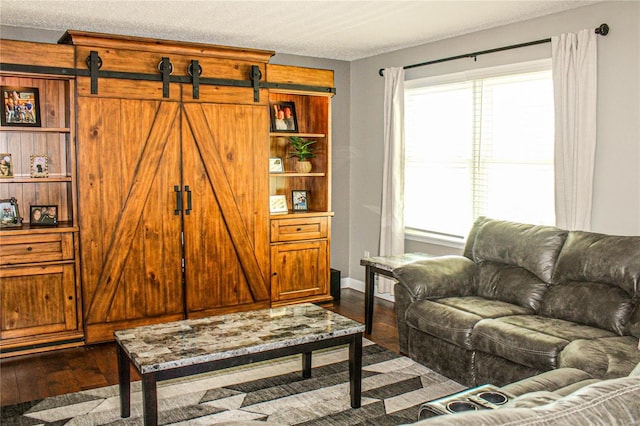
{"x":479,"y":144}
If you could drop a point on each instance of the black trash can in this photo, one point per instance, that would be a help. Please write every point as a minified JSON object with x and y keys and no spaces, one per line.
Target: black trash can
{"x":335,"y":284}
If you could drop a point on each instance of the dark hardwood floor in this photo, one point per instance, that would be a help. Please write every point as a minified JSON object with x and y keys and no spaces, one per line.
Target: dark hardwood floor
{"x":29,"y":377}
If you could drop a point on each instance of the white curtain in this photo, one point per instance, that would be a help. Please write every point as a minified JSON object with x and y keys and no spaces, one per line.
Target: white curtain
{"x":392,"y":215}
{"x":574,"y":64}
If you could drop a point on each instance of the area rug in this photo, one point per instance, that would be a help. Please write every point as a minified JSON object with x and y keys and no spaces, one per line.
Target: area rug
{"x":274,"y":392}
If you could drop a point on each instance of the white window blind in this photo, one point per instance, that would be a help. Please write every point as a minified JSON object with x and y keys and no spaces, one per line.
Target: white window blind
{"x":479,"y":144}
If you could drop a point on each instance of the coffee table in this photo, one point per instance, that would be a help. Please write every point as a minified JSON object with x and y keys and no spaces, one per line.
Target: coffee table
{"x":182,"y":348}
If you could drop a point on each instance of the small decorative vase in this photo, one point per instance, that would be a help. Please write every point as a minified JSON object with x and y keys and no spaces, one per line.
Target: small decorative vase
{"x":303,"y":166}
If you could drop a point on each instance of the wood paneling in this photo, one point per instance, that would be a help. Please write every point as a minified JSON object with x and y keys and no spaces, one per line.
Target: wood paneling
{"x":40,"y":54}
{"x":114,"y":41}
{"x":227,"y":161}
{"x":299,"y":75}
{"x":213,"y":151}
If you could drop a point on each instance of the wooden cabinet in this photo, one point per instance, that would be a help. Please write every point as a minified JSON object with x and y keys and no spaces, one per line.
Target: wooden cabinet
{"x":299,"y":259}
{"x":300,"y":240}
{"x":158,"y":165}
{"x":174,"y":212}
{"x":39,"y":291}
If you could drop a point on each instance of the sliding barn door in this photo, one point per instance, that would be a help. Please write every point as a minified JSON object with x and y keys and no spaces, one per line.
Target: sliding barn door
{"x":226,"y":221}
{"x":131,"y":252}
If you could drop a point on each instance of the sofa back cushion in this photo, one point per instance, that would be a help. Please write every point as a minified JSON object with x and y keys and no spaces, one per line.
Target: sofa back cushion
{"x":510,"y":284}
{"x":600,"y":276}
{"x":615,"y":260}
{"x":532,"y":247}
{"x":473,"y":233}
{"x":596,"y":304}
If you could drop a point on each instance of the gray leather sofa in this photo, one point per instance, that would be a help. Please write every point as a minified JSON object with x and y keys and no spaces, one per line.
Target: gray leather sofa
{"x":523,"y":300}
{"x":565,"y":396}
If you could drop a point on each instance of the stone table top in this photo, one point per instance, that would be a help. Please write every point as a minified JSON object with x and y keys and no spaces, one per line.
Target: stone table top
{"x":389,"y":263}
{"x":189,"y":342}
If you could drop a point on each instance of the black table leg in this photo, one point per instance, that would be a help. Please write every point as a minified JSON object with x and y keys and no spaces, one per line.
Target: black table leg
{"x":368,"y":298}
{"x":306,"y":365}
{"x":149,"y":399}
{"x":124,"y":377}
{"x":355,"y":370}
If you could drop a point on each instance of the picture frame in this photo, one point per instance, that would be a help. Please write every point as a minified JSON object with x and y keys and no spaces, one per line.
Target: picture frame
{"x":10,"y":213}
{"x":300,"y":200}
{"x":6,"y":165}
{"x":39,"y":166}
{"x":20,"y":106}
{"x":43,"y":215}
{"x":276,"y":165}
{"x":278,"y":204}
{"x":284,"y":117}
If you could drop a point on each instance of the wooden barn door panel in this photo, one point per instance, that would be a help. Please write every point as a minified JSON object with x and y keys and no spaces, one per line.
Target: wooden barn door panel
{"x":227,"y":231}
{"x":128,"y":164}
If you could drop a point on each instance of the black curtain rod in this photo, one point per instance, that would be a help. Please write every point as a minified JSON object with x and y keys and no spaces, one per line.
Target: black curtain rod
{"x":602,"y":30}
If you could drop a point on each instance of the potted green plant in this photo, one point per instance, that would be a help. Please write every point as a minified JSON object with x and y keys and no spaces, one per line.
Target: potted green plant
{"x":302,"y":150}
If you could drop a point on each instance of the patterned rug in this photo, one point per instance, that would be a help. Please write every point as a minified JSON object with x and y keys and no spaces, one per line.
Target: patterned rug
{"x":393,"y":387}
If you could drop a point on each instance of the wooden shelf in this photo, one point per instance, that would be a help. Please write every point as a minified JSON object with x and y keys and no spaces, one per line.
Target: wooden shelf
{"x":292,"y":214}
{"x":35,"y":129}
{"x":302,"y":135}
{"x":295,"y":175}
{"x":26,"y":228}
{"x":36,"y":180}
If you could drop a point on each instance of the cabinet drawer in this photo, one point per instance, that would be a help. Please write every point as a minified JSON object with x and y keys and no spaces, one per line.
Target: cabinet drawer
{"x":20,"y":249}
{"x":308,"y":228}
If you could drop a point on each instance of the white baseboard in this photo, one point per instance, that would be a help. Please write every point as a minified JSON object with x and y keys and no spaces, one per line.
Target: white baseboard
{"x":359,"y":286}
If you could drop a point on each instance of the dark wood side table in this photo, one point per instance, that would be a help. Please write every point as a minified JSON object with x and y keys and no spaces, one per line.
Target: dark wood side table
{"x":382,"y":265}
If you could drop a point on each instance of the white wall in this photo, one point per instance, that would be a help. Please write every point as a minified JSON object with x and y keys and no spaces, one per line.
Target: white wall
{"x":616,"y":196}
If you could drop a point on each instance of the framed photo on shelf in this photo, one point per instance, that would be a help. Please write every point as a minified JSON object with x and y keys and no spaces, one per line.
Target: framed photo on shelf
{"x":21,"y":106}
{"x":276,"y":165}
{"x":9,"y":213}
{"x":300,"y":200}
{"x":278,"y":204}
{"x":39,"y":166}
{"x":43,"y":216}
{"x":6,"y":165}
{"x":283,"y":117}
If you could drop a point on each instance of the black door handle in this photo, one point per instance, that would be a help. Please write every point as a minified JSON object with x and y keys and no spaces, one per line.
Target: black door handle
{"x":178,"y":209}
{"x":189,"y":203}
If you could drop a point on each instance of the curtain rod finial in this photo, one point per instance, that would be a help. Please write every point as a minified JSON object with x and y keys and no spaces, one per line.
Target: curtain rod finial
{"x":603,"y":30}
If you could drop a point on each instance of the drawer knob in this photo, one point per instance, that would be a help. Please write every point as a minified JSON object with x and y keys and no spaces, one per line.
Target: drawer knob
{"x":29,"y":248}
{"x":299,"y":229}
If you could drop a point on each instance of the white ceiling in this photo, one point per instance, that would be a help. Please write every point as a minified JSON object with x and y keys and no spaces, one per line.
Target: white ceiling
{"x":344,"y":30}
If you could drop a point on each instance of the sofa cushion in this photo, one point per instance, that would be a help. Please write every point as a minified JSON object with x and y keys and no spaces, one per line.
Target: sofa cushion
{"x":453,"y":318}
{"x":551,"y":381}
{"x":604,"y":358}
{"x":510,"y":284}
{"x":599,"y":305}
{"x":530,"y":340}
{"x":532,"y":247}
{"x":588,"y":256}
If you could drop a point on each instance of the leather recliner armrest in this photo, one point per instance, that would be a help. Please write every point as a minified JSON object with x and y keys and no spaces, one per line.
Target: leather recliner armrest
{"x":445,"y":276}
